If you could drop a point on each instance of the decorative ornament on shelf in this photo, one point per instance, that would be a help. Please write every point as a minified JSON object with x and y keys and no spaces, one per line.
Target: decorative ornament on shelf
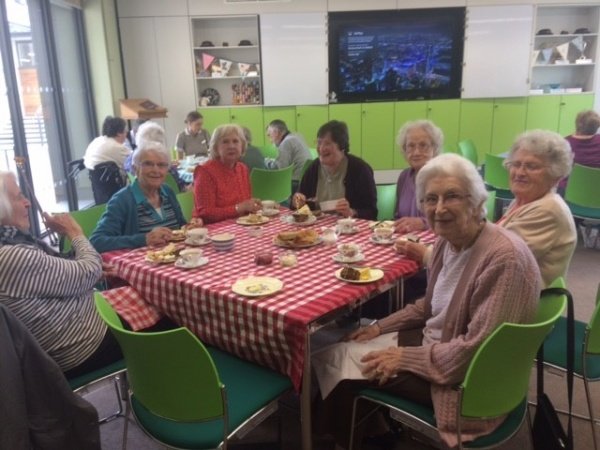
{"x":563,"y":51}
{"x":209,"y":97}
{"x":581,"y":45}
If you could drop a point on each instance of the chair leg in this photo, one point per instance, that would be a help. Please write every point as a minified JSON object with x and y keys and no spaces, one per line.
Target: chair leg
{"x":591,"y":410}
{"x":119,"y":412}
{"x":125,"y":394}
{"x":529,"y":427}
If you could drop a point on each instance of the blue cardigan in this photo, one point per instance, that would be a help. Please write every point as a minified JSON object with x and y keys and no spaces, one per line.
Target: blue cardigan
{"x":119,"y":228}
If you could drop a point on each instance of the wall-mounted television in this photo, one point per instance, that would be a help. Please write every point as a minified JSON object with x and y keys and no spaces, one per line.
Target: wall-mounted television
{"x":396,"y":54}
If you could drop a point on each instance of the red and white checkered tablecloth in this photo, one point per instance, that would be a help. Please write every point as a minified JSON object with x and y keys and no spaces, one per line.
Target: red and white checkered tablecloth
{"x":270,"y":331}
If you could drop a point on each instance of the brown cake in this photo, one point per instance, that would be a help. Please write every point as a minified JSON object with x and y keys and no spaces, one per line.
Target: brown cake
{"x":349,"y":273}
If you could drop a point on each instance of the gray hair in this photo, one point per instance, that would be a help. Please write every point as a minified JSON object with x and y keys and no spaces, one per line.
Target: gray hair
{"x":150,"y":131}
{"x":222,"y":131}
{"x":148,"y":146}
{"x":433,"y":131}
{"x":547,"y":145}
{"x":6,"y":208}
{"x":453,"y":165}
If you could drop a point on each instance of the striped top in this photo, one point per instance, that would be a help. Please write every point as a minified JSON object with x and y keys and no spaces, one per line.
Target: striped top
{"x":52,"y":296}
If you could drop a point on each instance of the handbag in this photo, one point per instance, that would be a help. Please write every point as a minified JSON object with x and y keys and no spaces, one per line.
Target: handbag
{"x":548,"y":432}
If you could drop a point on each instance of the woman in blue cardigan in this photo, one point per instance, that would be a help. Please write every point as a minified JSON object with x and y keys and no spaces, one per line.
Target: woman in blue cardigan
{"x":145,"y":212}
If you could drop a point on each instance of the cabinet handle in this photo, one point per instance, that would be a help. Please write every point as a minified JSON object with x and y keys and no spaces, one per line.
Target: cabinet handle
{"x":562,"y":103}
{"x":232,"y":117}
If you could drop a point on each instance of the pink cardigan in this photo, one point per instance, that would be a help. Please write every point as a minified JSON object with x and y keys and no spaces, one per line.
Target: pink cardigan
{"x":500,"y":283}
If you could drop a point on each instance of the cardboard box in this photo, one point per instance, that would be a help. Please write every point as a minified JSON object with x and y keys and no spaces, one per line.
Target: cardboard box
{"x":141,"y":108}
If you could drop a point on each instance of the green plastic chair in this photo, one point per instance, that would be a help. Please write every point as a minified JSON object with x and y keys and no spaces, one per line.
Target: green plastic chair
{"x":496,"y":176}
{"x":272,"y":184}
{"x":87,"y":219}
{"x":186,"y":395}
{"x":313,"y":153}
{"x":186,"y":202}
{"x":171,"y":182}
{"x":587,"y":355}
{"x":582,"y":198}
{"x":490,"y":206}
{"x":306,"y":165}
{"x":496,"y":382}
{"x":269,"y":151}
{"x":386,"y":201}
{"x":467,"y":149}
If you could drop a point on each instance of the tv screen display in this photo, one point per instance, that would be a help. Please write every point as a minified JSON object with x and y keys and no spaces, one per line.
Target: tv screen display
{"x":396,"y":54}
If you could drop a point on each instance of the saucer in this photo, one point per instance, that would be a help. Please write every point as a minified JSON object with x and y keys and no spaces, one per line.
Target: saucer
{"x":183,"y":265}
{"x":204,"y":241}
{"x":348,"y":259}
{"x":354,"y":230}
{"x":389,"y":241}
{"x":269,"y":212}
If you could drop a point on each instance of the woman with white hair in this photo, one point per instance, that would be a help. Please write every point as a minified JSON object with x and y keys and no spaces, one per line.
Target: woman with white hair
{"x":480,"y":276}
{"x":420,"y":141}
{"x":145,"y":212}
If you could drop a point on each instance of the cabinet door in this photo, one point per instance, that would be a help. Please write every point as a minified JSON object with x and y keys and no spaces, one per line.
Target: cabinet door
{"x":308,"y":121}
{"x":351,"y":114}
{"x":405,"y":112}
{"x":252,"y":118}
{"x":570,"y":106}
{"x":378,"y":135}
{"x":476,"y":118}
{"x":285,"y":113}
{"x":213,"y":117}
{"x":509,"y":122}
{"x":542,"y":112}
{"x":446,"y":115}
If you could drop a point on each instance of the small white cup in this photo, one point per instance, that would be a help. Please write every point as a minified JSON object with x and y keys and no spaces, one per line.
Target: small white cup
{"x":329,"y":236}
{"x":269,"y":205}
{"x":383,"y":233}
{"x":191,"y":256}
{"x":197,"y":234}
{"x":349,"y":250}
{"x":346,"y":225}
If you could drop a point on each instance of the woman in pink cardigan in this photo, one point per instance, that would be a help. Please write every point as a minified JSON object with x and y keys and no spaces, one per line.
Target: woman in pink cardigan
{"x":222,"y":186}
{"x":480,"y":276}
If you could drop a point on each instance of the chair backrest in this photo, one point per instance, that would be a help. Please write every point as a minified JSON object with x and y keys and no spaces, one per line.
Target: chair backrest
{"x":272,"y":184}
{"x":307,"y":163}
{"x":467,"y":149}
{"x":490,"y":206}
{"x":593,"y":329}
{"x":170,"y":372}
{"x":87,"y":219}
{"x":386,"y":201}
{"x":186,"y":202}
{"x":269,"y":151}
{"x":497,"y":379}
{"x":313,"y":153}
{"x":495,"y":174}
{"x":579,"y":190}
{"x":171,"y":182}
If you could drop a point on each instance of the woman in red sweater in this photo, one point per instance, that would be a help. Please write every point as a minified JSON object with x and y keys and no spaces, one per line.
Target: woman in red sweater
{"x":222,"y":185}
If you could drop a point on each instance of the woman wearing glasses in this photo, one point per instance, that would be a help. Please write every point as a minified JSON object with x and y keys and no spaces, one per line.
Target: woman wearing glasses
{"x":480,"y":276}
{"x":145,"y":212}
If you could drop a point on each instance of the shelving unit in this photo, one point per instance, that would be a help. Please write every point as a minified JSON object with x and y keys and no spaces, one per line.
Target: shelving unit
{"x":222,"y":67}
{"x":549,"y":74}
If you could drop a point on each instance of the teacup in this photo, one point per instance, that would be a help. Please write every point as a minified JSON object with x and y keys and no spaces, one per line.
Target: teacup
{"x":197,"y":234}
{"x":349,"y":250}
{"x":191,"y":256}
{"x":268,"y":205}
{"x":346,"y":225}
{"x":383,"y":233}
{"x":329,"y":236}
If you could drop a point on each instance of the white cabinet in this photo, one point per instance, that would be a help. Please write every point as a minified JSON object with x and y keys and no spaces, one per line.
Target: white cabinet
{"x":226,"y":55}
{"x":565,"y":49}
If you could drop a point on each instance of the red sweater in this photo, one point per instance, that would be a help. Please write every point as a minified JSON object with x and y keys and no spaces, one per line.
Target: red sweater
{"x":217,"y":189}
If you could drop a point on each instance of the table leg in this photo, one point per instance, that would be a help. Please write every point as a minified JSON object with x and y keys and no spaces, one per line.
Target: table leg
{"x":305,"y":401}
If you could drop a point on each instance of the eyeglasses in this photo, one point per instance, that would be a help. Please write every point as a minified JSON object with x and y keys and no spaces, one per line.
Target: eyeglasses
{"x":448,"y":199}
{"x":152,"y":165}
{"x":413,"y":146}
{"x":528,"y":166}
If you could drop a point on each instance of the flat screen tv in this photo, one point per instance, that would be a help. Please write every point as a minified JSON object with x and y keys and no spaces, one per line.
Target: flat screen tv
{"x":396,"y":55}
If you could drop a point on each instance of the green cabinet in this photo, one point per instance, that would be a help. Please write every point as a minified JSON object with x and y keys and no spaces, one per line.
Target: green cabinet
{"x":252,"y":118}
{"x":570,"y":106}
{"x":508,"y":122}
{"x":350,"y":114}
{"x":285,"y":113}
{"x":543,"y":112}
{"x":308,"y":121}
{"x":213,"y":117}
{"x":446,"y":115}
{"x":476,"y":122}
{"x":378,"y":135}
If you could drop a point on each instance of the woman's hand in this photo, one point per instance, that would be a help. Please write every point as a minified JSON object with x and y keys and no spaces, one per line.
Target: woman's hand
{"x":248,"y":206}
{"x":342,"y":207}
{"x":382,"y":365}
{"x":409,"y":224}
{"x":411,"y":250}
{"x":63,"y":224}
{"x":298,"y":200}
{"x":364,"y":334}
{"x":109,"y":270}
{"x":158,"y":236}
{"x":195,"y":222}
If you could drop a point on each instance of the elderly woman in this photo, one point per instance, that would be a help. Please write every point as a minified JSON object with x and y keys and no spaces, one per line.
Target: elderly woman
{"x":145,"y":212}
{"x":338,"y":175}
{"x":50,"y":294}
{"x":585,"y":143}
{"x":480,"y":276}
{"x":222,"y":185}
{"x":420,"y":141}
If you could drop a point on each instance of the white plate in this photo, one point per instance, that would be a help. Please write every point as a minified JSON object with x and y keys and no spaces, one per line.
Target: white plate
{"x":166,"y":260}
{"x":348,"y":259}
{"x":183,"y":265}
{"x":376,"y":274}
{"x":269,"y":213}
{"x":290,"y":219}
{"x":257,"y":286}
{"x":283,"y":244}
{"x":354,"y":230}
{"x":205,"y":241}
{"x":389,"y":241}
{"x":244,"y":221}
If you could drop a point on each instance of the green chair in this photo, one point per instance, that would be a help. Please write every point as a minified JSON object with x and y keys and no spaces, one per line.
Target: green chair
{"x":587,"y":354}
{"x":269,"y":151}
{"x":186,"y":202}
{"x":496,"y":382}
{"x":272,"y":184}
{"x":467,"y":149}
{"x":386,"y":201}
{"x":306,"y":165}
{"x":187,"y":395}
{"x":490,"y":206}
{"x":582,"y":198}
{"x":171,"y":182}
{"x":87,"y":219}
{"x":496,"y":176}
{"x":313,"y":153}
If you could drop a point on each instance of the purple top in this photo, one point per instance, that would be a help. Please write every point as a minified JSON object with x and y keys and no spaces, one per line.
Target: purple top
{"x":586,"y":152}
{"x":406,"y":195}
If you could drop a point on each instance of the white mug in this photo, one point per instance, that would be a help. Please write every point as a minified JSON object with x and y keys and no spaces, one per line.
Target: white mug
{"x":197,"y":234}
{"x":346,"y":225}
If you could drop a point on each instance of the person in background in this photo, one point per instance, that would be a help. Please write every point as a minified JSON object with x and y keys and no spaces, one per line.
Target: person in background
{"x":222,"y":185}
{"x":130,"y":141}
{"x":585,"y":143}
{"x":338,"y":175}
{"x":194,"y":139}
{"x":292,"y":150}
{"x":52,"y":295}
{"x":253,"y":157}
{"x":481,"y":275}
{"x":420,"y":141}
{"x":145,"y":212}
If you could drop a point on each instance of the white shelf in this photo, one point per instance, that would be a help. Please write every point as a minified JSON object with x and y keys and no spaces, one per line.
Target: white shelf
{"x":539,"y":37}
{"x":555,"y":66}
{"x":229,"y":78}
{"x":229,"y":47}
